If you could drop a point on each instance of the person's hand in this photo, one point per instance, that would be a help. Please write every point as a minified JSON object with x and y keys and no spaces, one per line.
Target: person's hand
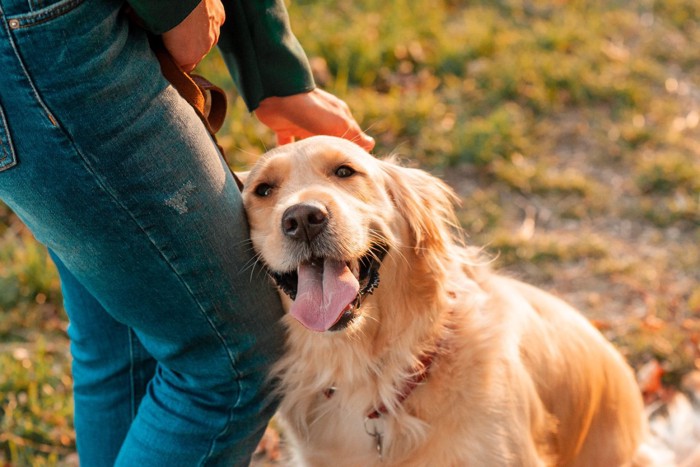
{"x":196,"y":35}
{"x":312,"y":113}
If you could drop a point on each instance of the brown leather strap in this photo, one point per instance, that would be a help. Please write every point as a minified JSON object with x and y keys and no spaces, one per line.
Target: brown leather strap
{"x":215,"y":102}
{"x":208,"y":100}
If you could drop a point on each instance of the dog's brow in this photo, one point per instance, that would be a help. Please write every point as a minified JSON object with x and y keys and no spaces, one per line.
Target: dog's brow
{"x":265,"y":169}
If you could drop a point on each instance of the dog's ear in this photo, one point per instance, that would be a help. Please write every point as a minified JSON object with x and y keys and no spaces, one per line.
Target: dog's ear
{"x":427,"y":205}
{"x":242,"y":177}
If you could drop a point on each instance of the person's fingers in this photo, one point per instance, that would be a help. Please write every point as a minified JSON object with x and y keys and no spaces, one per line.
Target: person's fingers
{"x":188,"y":67}
{"x":366,"y":142}
{"x":334,"y":126}
{"x":191,"y":40}
{"x":313,"y":113}
{"x":347,"y":127}
{"x":357,"y":136}
{"x":283,"y":139}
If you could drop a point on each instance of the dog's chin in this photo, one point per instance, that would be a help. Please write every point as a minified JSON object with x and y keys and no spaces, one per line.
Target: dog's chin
{"x":365,"y":269}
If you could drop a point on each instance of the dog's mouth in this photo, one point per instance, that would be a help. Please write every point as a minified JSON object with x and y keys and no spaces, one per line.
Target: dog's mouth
{"x":327,"y":292}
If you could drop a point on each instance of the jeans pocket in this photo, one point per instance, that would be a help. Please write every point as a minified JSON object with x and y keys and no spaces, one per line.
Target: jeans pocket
{"x":36,"y":5}
{"x":42,"y":11}
{"x":7,"y":152}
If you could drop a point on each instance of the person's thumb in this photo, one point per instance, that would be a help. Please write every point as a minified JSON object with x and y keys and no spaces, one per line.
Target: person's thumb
{"x":365,"y":141}
{"x":284,"y":138}
{"x":357,"y":136}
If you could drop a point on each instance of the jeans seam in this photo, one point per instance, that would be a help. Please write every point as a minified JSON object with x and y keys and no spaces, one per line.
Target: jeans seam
{"x":36,"y":4}
{"x":113,"y":196}
{"x":223,"y":431}
{"x":5,"y":153}
{"x":131,"y":374}
{"x":35,"y":91}
{"x":7,"y":156}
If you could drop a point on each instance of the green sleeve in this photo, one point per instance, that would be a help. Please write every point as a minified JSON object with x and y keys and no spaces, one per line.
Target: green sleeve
{"x":262,"y":54}
{"x":162,"y":15}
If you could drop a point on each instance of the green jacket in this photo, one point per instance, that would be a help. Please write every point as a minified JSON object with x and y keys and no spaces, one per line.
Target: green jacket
{"x":258,"y":46}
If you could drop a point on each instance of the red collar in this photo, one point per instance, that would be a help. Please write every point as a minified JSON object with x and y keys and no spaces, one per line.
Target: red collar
{"x":426,"y":362}
{"x":416,"y":378}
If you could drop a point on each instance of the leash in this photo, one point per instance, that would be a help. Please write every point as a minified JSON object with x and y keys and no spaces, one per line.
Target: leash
{"x":208,"y":100}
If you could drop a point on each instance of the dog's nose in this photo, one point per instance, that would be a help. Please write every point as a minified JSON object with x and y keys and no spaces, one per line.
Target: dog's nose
{"x":304,"y":221}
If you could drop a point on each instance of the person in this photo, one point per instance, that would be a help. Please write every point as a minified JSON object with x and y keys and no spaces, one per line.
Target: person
{"x":173,"y":325}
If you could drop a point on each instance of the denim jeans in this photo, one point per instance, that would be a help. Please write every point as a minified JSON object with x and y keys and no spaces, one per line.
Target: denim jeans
{"x":172,"y":325}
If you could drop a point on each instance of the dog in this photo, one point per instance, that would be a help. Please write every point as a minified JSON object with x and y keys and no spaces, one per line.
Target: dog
{"x":404,"y":348}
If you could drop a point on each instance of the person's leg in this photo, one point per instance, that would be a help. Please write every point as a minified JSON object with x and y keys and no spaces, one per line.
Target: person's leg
{"x":111,"y":370}
{"x":128,"y":191}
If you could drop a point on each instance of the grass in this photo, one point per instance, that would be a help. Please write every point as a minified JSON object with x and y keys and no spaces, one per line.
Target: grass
{"x":569,"y":130}
{"x":35,"y":383}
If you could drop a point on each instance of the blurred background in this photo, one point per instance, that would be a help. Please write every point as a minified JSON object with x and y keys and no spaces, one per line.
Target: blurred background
{"x":569,"y":129}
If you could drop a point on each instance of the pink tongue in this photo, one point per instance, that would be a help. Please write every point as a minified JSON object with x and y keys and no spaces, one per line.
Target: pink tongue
{"x":323,"y":293}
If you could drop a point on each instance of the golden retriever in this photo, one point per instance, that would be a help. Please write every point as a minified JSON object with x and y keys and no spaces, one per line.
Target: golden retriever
{"x":404,"y":348}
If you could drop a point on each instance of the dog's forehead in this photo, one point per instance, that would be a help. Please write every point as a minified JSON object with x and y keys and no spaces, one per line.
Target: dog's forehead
{"x":311,"y":155}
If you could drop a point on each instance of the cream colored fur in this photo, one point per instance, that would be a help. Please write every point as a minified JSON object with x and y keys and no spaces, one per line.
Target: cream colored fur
{"x":520,"y":378}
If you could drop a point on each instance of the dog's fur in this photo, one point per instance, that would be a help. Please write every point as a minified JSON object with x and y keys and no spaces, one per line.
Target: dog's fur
{"x":519,"y":378}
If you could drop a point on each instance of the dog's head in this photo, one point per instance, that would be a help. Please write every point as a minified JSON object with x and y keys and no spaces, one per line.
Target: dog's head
{"x":323,"y":216}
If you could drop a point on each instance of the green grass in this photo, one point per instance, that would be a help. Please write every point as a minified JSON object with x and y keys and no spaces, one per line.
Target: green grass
{"x":35,"y":383}
{"x":568,"y":129}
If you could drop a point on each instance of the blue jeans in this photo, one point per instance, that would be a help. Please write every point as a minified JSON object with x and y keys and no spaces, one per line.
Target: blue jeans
{"x":172,"y":325}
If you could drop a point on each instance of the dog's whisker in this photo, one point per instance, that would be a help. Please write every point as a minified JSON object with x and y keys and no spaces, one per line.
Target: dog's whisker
{"x":369,"y":317}
{"x":370,"y":126}
{"x":398,"y":248}
{"x":251,"y":265}
{"x":244,"y":242}
{"x":258,"y":266}
{"x":347,"y":130}
{"x":262,"y":141}
{"x":244,"y":151}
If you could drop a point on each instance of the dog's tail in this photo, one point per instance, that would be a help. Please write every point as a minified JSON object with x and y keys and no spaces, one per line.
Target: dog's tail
{"x":674,"y":429}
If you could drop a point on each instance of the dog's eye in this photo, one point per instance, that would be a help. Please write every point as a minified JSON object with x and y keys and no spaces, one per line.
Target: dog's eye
{"x":344,"y":171}
{"x":263,"y":190}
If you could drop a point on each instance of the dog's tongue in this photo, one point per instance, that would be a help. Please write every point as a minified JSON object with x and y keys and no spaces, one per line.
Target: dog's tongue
{"x":323,"y":293}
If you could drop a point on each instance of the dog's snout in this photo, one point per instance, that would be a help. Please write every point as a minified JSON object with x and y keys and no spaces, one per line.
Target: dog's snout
{"x":304,"y":221}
